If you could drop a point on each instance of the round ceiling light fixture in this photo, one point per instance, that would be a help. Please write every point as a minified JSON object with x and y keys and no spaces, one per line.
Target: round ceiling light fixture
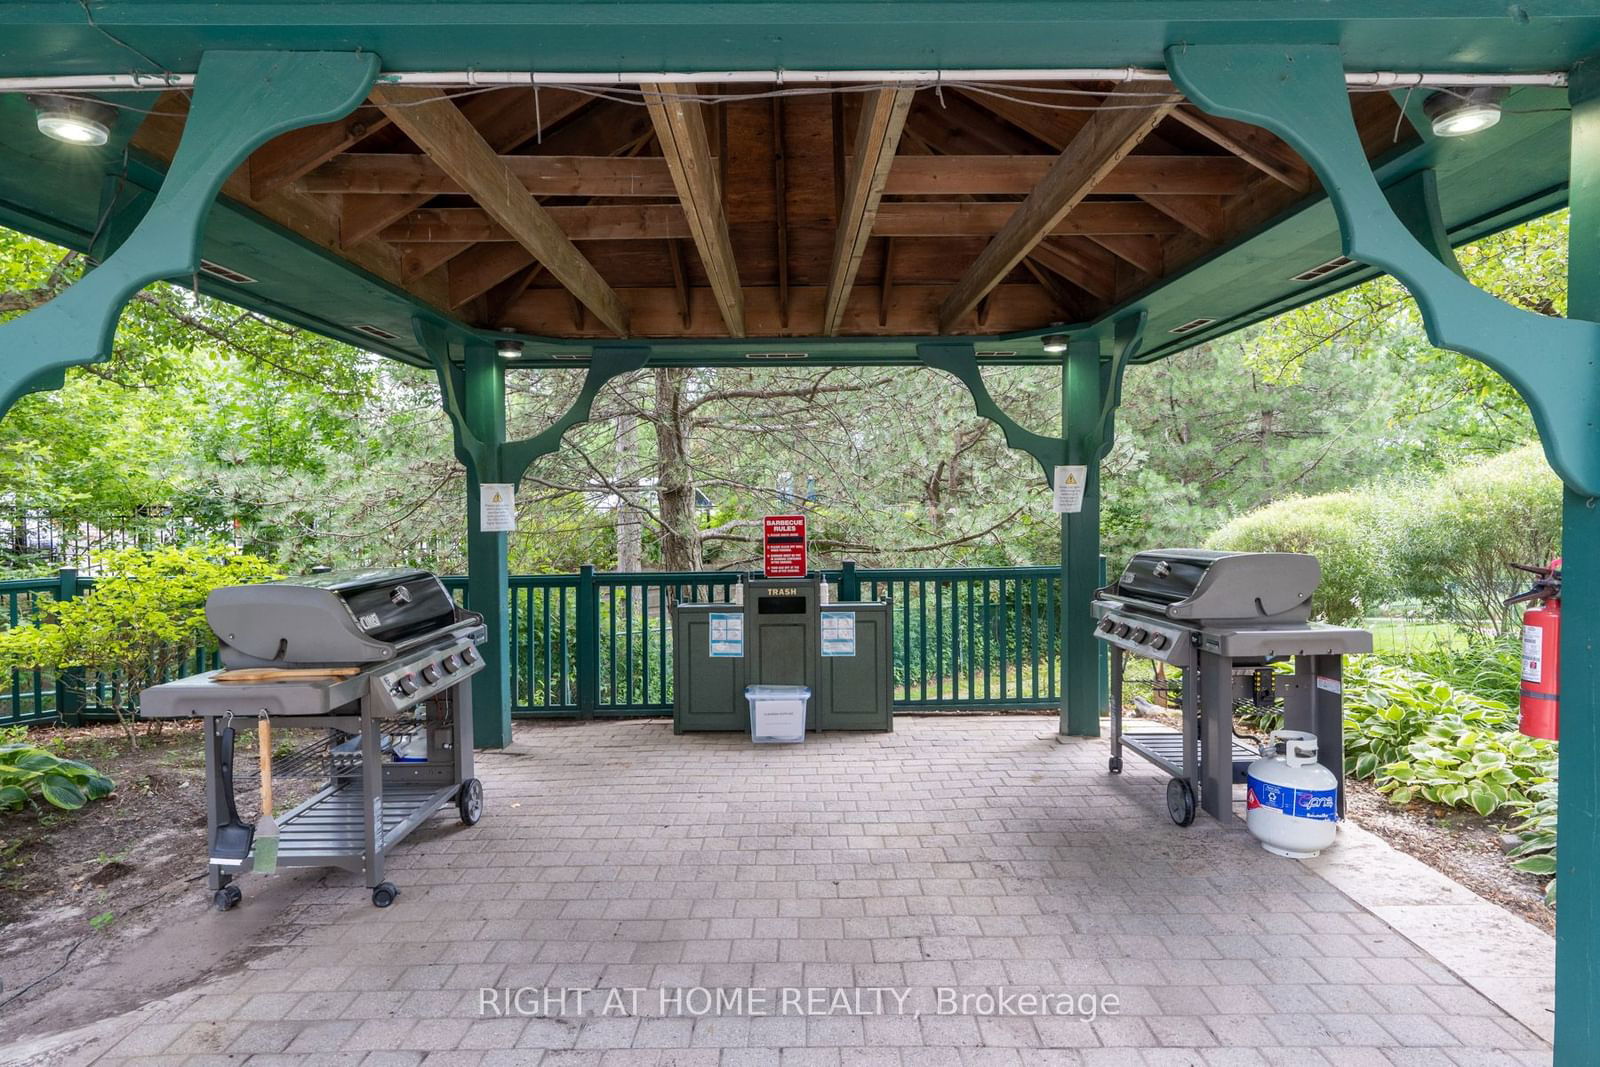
{"x":508,"y":348}
{"x":1054,"y":343}
{"x":85,"y":123}
{"x":1462,"y":112}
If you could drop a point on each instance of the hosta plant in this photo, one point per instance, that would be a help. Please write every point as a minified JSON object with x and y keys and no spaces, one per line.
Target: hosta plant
{"x":29,"y":773}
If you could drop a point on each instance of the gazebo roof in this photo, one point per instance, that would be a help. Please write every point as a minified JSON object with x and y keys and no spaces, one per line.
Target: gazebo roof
{"x":726,"y":222}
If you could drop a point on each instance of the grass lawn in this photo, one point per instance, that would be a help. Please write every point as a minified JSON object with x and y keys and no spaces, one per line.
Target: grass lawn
{"x":1411,"y":635}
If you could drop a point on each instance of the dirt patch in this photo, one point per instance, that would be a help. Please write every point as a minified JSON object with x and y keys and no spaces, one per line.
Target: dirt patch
{"x":90,"y":892}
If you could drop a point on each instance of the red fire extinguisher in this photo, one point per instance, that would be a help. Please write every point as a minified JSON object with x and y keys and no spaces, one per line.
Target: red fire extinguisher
{"x":1541,"y":651}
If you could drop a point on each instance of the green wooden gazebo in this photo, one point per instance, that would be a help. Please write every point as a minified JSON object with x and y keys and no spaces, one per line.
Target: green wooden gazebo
{"x":479,"y":187}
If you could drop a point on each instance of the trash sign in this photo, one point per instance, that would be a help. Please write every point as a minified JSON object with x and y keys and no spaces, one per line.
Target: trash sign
{"x":783,"y":539}
{"x":727,"y":634}
{"x":838,"y":633}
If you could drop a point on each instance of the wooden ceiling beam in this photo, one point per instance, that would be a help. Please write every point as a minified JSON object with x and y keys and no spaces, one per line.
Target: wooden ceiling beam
{"x":1250,"y":148}
{"x":363,"y":217}
{"x":445,"y":134}
{"x":1143,"y":251}
{"x":882,"y":118}
{"x":417,"y":260}
{"x":1091,"y":274}
{"x":290,"y":156}
{"x":681,"y":129}
{"x":1105,"y":140}
{"x":646,"y":222}
{"x":362,"y":175}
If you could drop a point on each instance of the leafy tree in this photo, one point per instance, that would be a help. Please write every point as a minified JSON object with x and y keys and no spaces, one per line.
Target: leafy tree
{"x":142,"y":620}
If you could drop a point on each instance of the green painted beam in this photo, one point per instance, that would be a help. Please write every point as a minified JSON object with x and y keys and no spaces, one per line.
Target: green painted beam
{"x":483,"y":397}
{"x":55,"y":36}
{"x":1083,"y":403}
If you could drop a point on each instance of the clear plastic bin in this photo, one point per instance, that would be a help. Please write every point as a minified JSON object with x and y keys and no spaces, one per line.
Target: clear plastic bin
{"x":777,"y":713}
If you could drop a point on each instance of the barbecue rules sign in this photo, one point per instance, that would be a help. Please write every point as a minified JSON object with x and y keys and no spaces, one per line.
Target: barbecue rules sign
{"x":784,"y":540}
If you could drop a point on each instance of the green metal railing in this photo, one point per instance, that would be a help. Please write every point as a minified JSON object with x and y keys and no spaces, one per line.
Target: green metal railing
{"x":600,"y":644}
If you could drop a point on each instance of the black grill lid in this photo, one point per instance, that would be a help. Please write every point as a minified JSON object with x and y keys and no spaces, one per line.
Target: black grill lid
{"x":1207,"y":585}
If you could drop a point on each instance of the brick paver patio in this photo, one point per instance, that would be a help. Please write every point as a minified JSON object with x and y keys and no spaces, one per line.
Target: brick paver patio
{"x":954,"y":856}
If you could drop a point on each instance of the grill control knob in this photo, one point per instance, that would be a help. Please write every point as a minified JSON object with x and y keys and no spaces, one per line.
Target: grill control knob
{"x":1159,"y":641}
{"x":430,"y":673}
{"x":451,"y":664}
{"x":1124,"y":630}
{"x":1107,"y":625}
{"x":469,"y":655}
{"x":1141,"y":635}
{"x":408,"y":684}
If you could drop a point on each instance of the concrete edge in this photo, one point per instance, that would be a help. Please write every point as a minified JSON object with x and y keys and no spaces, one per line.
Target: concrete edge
{"x":1507,"y":959}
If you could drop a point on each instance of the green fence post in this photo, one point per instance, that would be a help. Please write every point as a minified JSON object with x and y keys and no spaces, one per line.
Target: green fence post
{"x":588,"y":642}
{"x":849,"y":583}
{"x":69,"y":683}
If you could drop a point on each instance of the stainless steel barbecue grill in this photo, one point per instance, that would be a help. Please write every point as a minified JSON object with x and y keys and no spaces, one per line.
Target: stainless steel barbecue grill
{"x":372,"y":666}
{"x":1224,"y":619}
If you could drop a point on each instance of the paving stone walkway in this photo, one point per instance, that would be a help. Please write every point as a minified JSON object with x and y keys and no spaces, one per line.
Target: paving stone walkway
{"x":945,"y":860}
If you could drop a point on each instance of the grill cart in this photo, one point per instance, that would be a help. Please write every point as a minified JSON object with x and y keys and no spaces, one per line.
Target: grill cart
{"x":369,"y":670}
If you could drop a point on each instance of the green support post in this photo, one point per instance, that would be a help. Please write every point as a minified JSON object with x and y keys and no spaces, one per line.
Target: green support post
{"x":1102,"y":667}
{"x":488,"y":581}
{"x":849,"y":583}
{"x":69,"y":681}
{"x":588,"y":607}
{"x":1080,"y":541}
{"x":1578,"y":820}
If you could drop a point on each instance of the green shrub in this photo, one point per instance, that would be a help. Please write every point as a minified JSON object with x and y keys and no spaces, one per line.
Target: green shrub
{"x":1415,"y":736}
{"x":142,"y":620}
{"x":1489,"y":667}
{"x":1453,"y":543}
{"x":1536,"y":854}
{"x":1339,"y":529}
{"x":28,"y":772}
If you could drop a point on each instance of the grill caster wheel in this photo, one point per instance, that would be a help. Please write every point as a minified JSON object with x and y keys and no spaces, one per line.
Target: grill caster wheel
{"x":469,"y":801}
{"x":1180,"y":801}
{"x":1116,"y":765}
{"x":383,"y":894}
{"x":226,"y":898}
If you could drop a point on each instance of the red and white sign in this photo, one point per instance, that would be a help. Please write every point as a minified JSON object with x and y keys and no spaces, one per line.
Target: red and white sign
{"x":784,"y":539}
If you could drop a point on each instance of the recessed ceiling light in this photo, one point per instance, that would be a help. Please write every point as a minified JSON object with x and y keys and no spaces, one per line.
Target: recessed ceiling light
{"x":508,"y":347}
{"x":1054,"y":343}
{"x":1458,"y":113}
{"x":86,"y":123}
{"x":1191,"y":326}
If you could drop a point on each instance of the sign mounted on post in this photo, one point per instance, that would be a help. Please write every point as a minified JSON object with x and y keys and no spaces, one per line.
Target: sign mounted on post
{"x":1068,"y":496}
{"x":783,"y":539}
{"x":497,"y":507}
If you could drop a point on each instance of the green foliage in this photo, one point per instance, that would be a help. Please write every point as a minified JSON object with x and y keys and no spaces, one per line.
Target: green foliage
{"x":1416,"y":736}
{"x":1488,"y":667}
{"x":1452,"y":546}
{"x":28,"y":773}
{"x":142,"y":619}
{"x":1536,"y":852}
{"x":1337,"y":528}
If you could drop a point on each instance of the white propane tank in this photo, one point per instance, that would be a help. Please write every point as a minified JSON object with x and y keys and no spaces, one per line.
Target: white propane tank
{"x":1293,"y":801}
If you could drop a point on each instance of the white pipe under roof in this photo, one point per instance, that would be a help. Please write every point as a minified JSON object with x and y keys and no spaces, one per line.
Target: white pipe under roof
{"x":471,"y":78}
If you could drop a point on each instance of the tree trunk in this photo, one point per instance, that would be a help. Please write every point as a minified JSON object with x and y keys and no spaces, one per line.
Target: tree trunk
{"x":629,"y":520}
{"x":680,"y":537}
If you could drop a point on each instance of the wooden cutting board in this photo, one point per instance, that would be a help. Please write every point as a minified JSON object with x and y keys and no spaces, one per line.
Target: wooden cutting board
{"x":286,"y":674}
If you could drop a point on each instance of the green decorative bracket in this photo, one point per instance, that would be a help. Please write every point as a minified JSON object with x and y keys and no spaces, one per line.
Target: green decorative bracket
{"x":1127,"y":334}
{"x":241,"y":101}
{"x":510,"y":460}
{"x":1299,"y":94}
{"x":961,"y":362}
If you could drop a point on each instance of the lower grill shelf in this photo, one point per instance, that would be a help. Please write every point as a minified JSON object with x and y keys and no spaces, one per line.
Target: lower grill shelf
{"x":1164,"y":748}
{"x":330,"y":828}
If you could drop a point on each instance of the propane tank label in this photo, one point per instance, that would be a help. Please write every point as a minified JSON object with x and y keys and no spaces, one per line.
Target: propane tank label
{"x":1533,"y":653}
{"x":1320,"y":804}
